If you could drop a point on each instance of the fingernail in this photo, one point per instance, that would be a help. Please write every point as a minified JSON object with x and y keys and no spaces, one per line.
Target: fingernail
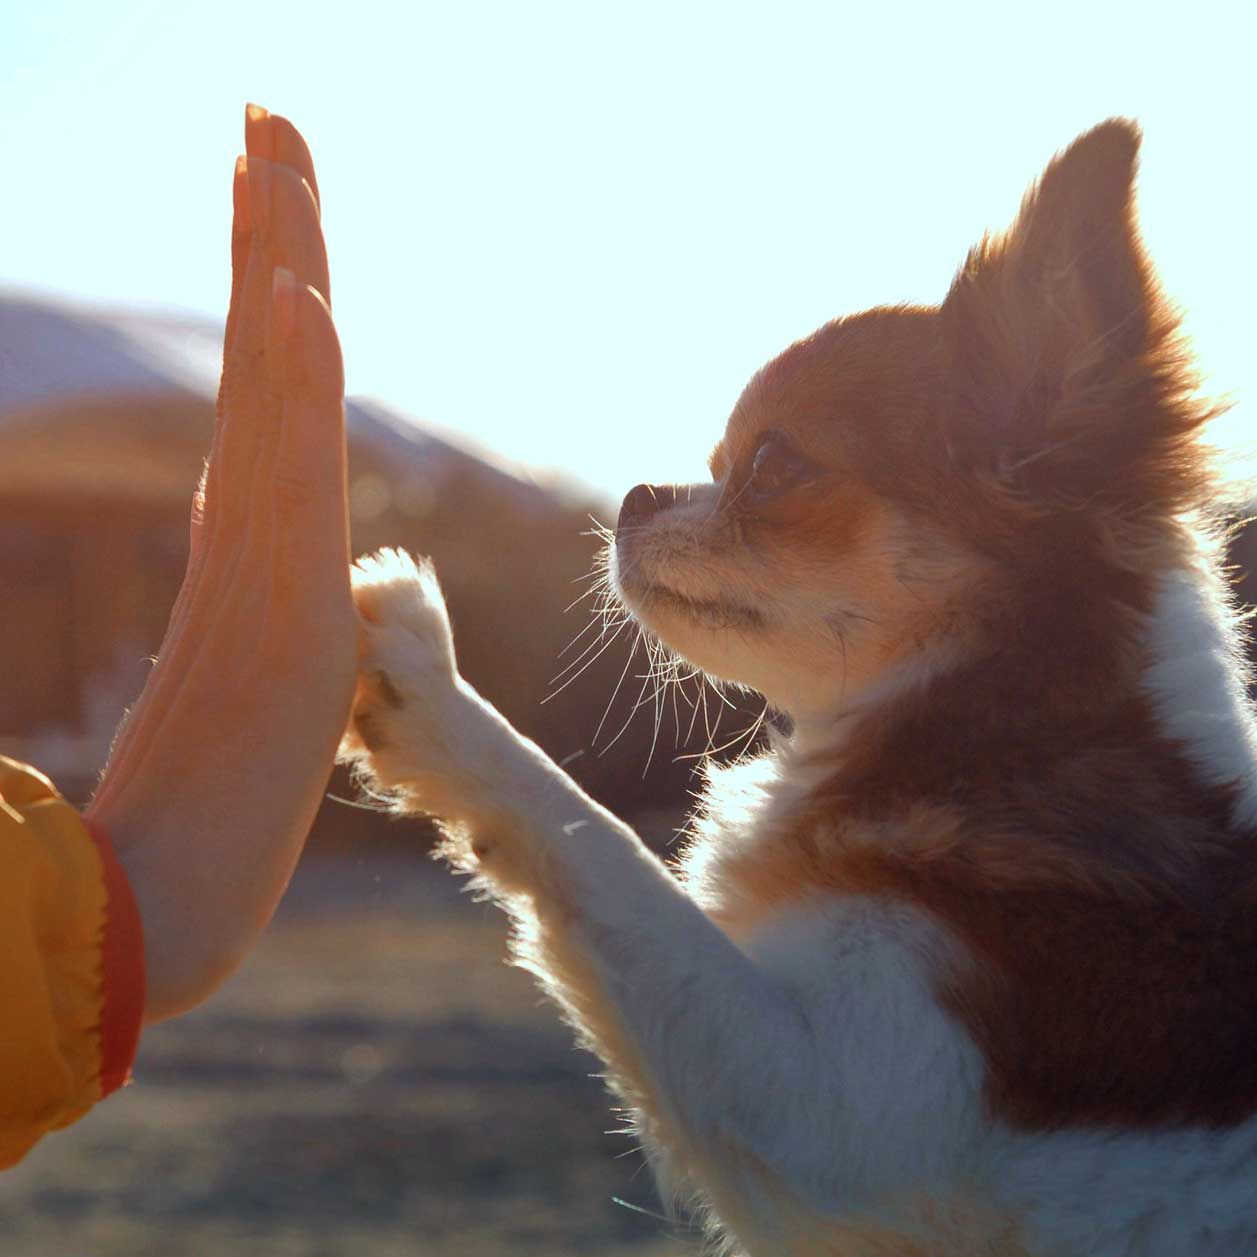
{"x":283,"y":302}
{"x":259,"y":136}
{"x":240,"y":199}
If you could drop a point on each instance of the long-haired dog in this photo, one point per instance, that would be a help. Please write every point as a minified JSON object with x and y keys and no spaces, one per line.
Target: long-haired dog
{"x":967,"y":962}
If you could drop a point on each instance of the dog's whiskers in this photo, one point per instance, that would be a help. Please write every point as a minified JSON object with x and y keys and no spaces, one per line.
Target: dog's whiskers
{"x":616,"y":692}
{"x":605,"y":646}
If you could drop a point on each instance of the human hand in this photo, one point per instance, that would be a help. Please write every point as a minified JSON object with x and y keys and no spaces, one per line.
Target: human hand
{"x":216,"y":773}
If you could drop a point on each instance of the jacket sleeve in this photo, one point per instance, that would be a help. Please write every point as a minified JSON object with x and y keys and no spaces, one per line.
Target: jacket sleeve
{"x":71,"y":964}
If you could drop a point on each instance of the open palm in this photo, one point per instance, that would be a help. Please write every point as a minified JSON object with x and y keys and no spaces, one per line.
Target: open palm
{"x":216,"y":774}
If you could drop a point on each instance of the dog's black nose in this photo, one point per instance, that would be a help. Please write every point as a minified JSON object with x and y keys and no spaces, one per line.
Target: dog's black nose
{"x":644,"y":500}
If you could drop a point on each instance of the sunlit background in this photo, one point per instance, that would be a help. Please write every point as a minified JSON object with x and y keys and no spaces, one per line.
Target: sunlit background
{"x":570,"y":232}
{"x":562,"y":237}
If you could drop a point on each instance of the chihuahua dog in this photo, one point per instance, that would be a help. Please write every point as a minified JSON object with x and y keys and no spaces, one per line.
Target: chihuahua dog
{"x":966,"y":963}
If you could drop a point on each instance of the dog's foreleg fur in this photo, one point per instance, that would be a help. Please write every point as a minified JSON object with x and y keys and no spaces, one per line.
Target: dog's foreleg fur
{"x":779,"y":1101}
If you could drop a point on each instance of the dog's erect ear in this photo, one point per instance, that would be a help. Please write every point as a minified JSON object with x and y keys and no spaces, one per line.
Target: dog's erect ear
{"x":1069,"y":377}
{"x":1071,"y":268}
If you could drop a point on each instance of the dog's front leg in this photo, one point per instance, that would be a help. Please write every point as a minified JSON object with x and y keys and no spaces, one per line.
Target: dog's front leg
{"x":738,"y":1091}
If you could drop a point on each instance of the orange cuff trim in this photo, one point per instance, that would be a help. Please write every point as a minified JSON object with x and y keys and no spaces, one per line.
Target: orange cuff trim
{"x":122,"y":967}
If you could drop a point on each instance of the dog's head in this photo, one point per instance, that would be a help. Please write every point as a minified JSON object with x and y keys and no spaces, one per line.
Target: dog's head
{"x":894,"y":485}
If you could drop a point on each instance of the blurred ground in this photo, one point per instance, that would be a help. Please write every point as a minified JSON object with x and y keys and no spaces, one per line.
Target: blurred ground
{"x":375,"y":1082}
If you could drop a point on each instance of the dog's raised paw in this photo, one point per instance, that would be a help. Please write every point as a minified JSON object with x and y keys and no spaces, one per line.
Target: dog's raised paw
{"x":406,"y":670}
{"x":394,"y":592}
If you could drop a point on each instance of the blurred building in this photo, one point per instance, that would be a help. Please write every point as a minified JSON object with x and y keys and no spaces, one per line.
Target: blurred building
{"x":105,"y":421}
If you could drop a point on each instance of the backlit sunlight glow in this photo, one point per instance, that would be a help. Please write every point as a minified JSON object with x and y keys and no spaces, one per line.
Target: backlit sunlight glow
{"x":570,"y":232}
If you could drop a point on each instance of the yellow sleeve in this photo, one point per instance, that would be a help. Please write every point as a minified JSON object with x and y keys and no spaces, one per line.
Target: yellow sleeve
{"x":71,"y":964}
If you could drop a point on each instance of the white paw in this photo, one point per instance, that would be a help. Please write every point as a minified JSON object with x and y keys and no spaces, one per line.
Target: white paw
{"x":405,"y":719}
{"x":393,"y":592}
{"x":420,"y":733}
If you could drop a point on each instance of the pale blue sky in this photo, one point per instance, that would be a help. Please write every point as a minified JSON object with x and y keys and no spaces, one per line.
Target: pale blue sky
{"x":572,"y":231}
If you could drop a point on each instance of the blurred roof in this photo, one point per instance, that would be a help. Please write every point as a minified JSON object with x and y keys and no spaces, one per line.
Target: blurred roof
{"x":52,"y":352}
{"x":59,"y":360}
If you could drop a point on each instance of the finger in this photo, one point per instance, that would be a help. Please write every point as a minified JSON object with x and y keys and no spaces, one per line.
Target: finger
{"x":286,"y":222}
{"x":248,"y":410}
{"x":241,"y":239}
{"x":310,"y":468}
{"x":285,"y":232}
{"x":303,"y":343}
{"x":276,"y":139}
{"x":276,"y":223}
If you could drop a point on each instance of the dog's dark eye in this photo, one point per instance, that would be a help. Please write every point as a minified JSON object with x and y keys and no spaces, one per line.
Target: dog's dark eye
{"x":778,"y":466}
